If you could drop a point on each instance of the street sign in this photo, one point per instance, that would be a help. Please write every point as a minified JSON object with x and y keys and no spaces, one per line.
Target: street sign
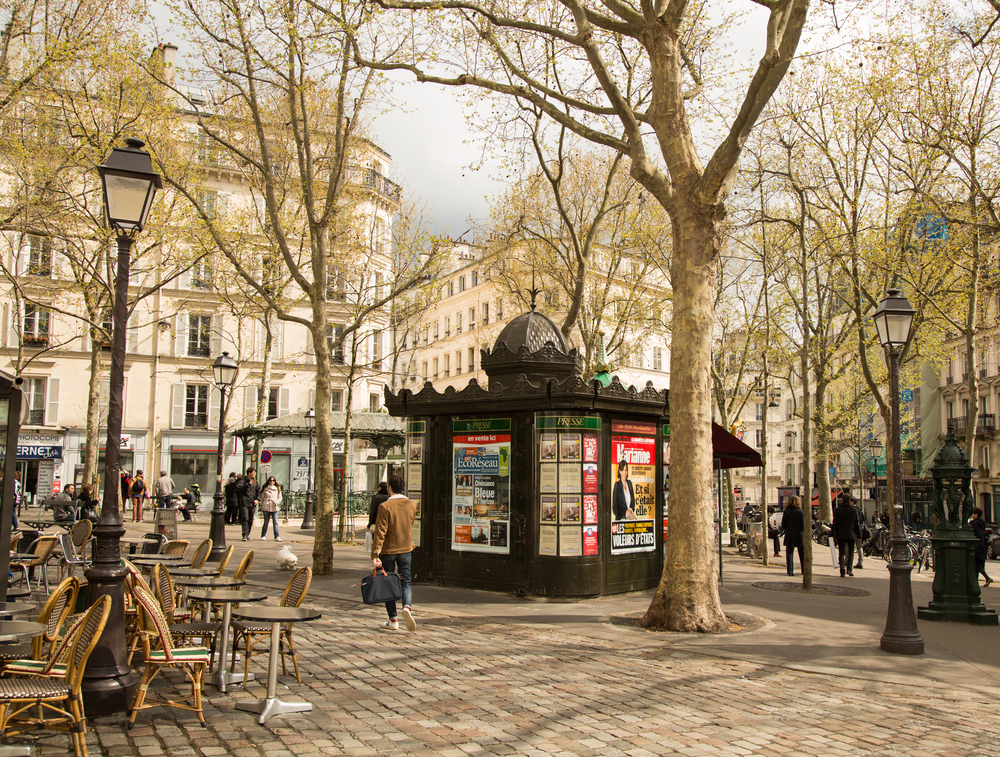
{"x":265,"y":457}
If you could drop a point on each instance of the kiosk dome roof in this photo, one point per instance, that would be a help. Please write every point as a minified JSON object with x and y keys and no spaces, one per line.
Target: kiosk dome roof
{"x":532,"y":330}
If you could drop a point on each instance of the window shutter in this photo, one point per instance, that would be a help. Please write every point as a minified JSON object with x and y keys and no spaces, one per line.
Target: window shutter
{"x":52,"y":402}
{"x":61,"y":268}
{"x":283,"y":394}
{"x":23,"y":255}
{"x":217,"y":324}
{"x":214,"y":404}
{"x":278,"y":327}
{"x":180,"y":336}
{"x":7,"y":324}
{"x":250,"y":403}
{"x":177,"y":397}
{"x":259,"y":336}
{"x":132,"y":336}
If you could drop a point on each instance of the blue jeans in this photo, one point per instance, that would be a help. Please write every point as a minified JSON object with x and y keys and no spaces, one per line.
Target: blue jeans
{"x":399,"y":564}
{"x":269,"y":517}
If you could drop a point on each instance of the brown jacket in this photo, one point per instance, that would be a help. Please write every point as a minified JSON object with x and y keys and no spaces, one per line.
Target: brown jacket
{"x":393,"y":527}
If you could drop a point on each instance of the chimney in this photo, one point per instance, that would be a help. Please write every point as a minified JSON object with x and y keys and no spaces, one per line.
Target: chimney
{"x":165,"y":56}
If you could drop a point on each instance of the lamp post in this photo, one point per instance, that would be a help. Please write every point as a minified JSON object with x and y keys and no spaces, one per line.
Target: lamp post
{"x":307,"y":515}
{"x":875,"y":448}
{"x":224,"y":370}
{"x":893,"y":318}
{"x":109,"y":683}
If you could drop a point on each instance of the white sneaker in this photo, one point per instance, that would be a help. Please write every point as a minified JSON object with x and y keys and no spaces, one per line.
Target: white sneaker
{"x":263,"y":538}
{"x":390,"y":625}
{"x":277,"y":538}
{"x":411,"y":624}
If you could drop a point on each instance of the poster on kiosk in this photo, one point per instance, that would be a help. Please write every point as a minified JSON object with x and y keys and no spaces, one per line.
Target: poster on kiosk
{"x":481,"y":486}
{"x":633,"y":502}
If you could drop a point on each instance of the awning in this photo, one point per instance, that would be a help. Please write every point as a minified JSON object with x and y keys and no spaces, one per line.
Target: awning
{"x":833,"y":496}
{"x":730,"y":452}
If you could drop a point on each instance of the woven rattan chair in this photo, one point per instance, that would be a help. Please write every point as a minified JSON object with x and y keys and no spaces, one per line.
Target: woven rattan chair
{"x":176,"y":547}
{"x":201,"y":554}
{"x":192,"y":660}
{"x":55,"y":702}
{"x":53,"y":614}
{"x":183,"y":633}
{"x":251,"y":632}
{"x":133,"y":581}
{"x":42,"y":551}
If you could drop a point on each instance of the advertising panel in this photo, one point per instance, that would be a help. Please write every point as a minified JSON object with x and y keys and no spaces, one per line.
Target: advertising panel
{"x":481,"y":486}
{"x":633,"y":503}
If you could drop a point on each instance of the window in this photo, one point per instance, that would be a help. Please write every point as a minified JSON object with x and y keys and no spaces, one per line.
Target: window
{"x":657,"y":358}
{"x":475,"y":278}
{"x":551,"y":298}
{"x":336,"y":400}
{"x":472,"y":318}
{"x":378,"y":235}
{"x":201,"y":274}
{"x":789,"y":410}
{"x":499,"y":308}
{"x":208,"y":199}
{"x":377,"y":350}
{"x":789,"y":441}
{"x":760,"y":437}
{"x":486,"y":313}
{"x":373,"y":402}
{"x":196,"y":406}
{"x":759,"y":411}
{"x":423,"y":370}
{"x":447,"y":365}
{"x":472,"y":359}
{"x":335,"y":342}
{"x":35,"y":328}
{"x":437,"y":330}
{"x":985,"y":458}
{"x":790,"y":474}
{"x":950,"y":407}
{"x":208,"y":150}
{"x":39,"y":256}
{"x":458,"y":363}
{"x":447,"y":325}
{"x":458,"y":323}
{"x":435,"y":369}
{"x":273,"y":406}
{"x":199,"y":336}
{"x":34,"y":388}
{"x":461,"y":283}
{"x":451,"y":288}
{"x":427,"y":334}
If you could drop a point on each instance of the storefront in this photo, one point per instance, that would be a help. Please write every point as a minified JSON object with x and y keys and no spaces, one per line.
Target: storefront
{"x":40,"y":456}
{"x":134,"y":452}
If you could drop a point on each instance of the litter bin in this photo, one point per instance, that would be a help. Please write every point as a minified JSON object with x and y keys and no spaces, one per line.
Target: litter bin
{"x":165,"y":522}
{"x":756,"y":539}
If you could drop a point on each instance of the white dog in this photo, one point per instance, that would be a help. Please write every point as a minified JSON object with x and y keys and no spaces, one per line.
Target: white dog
{"x":286,"y":560}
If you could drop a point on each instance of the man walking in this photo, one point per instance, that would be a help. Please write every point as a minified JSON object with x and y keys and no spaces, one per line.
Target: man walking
{"x":845,"y":530}
{"x":392,"y":548}
{"x":162,"y":489}
{"x":248,"y":494}
{"x":232,"y":503}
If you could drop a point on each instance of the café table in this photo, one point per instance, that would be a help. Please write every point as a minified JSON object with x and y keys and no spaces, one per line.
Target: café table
{"x":43,"y":523}
{"x":134,"y":544}
{"x":18,"y":593}
{"x":270,"y":706}
{"x":183,"y":572}
{"x":9,"y":610}
{"x":19,"y":630}
{"x":227,"y":598}
{"x":205,"y":582}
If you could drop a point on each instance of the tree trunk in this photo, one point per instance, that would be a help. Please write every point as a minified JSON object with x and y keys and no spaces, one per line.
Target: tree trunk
{"x":323,"y":507}
{"x":687,"y":598}
{"x":93,"y":453}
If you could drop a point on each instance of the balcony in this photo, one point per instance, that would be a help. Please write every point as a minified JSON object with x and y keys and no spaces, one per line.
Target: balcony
{"x":369,"y":177}
{"x":985,"y":422}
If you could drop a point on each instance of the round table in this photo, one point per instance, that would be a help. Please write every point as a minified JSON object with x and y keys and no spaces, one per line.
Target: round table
{"x":227,"y":598}
{"x":191,"y":572}
{"x":19,"y":630}
{"x":9,"y":609}
{"x":206,"y":582}
{"x":151,"y":560}
{"x":270,"y":706}
{"x":18,"y":593}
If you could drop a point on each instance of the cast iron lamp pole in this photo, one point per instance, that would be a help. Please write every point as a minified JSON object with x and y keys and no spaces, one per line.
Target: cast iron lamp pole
{"x":129,"y":187}
{"x":875,"y":448}
{"x":224,"y":370}
{"x":307,"y":515}
{"x":893,"y":318}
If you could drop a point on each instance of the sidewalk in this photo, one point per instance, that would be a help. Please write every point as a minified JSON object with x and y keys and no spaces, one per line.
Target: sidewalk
{"x":495,"y":674}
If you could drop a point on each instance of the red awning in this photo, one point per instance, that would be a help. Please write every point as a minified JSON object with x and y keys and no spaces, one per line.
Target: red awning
{"x":730,"y":452}
{"x":833,"y":496}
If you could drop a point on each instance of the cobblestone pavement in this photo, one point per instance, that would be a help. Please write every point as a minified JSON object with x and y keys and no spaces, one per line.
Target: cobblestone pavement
{"x":463,"y":686}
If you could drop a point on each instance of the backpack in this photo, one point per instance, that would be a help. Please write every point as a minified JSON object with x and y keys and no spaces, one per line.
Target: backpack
{"x":138,"y":486}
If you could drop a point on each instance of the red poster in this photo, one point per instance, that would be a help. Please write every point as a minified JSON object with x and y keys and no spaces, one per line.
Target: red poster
{"x":589,"y":448}
{"x":590,"y":508}
{"x":590,"y":478}
{"x":590,"y":540}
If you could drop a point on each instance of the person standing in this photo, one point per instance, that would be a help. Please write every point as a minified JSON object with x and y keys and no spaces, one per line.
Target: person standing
{"x":162,"y":489}
{"x":774,"y":529}
{"x":979,"y":529}
{"x":794,"y":523}
{"x":126,"y":484}
{"x":232,"y":504}
{"x":845,"y":531}
{"x":392,"y":548}
{"x":88,"y":505}
{"x":270,"y":501}
{"x":248,"y":494}
{"x":859,"y":543}
{"x":138,"y":492}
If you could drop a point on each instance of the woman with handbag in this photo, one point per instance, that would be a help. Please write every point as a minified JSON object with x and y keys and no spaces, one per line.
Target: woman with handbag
{"x":270,"y":501}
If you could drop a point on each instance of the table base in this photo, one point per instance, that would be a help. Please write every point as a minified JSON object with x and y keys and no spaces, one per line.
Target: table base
{"x":268,"y":708}
{"x":223,"y":678}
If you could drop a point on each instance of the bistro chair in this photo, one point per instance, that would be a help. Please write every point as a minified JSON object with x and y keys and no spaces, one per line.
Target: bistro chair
{"x":15,"y":538}
{"x":201,"y":554}
{"x":53,"y":614}
{"x":69,"y":558}
{"x":176,"y":547}
{"x":133,"y":582}
{"x":192,"y":660}
{"x":183,"y":633}
{"x":55,"y":702}
{"x":42,"y":552}
{"x":252,"y":632}
{"x":154,"y":545}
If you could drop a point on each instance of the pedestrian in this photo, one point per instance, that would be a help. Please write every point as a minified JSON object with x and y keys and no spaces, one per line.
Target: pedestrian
{"x":270,"y":501}
{"x":859,"y":544}
{"x":884,"y":518}
{"x":88,"y":505}
{"x":126,"y":484}
{"x":916,"y":520}
{"x":979,"y":529}
{"x":138,"y":492}
{"x":188,"y":505}
{"x":162,"y":489}
{"x":793,"y":522}
{"x":232,"y":504}
{"x":774,"y":529}
{"x":65,"y":512}
{"x":17,"y":500}
{"x":392,"y":548}
{"x":845,"y":530}
{"x":248,"y":493}
{"x":377,"y":499}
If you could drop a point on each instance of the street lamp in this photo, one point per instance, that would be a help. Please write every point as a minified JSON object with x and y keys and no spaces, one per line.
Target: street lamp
{"x":109,"y":683}
{"x":875,"y":448}
{"x":893,"y":318}
{"x":224,"y":371}
{"x":307,"y":516}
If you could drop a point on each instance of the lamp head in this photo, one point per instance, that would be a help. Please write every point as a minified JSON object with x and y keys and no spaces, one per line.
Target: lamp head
{"x":893,"y":318}
{"x":225,"y":369}
{"x":130,"y":183}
